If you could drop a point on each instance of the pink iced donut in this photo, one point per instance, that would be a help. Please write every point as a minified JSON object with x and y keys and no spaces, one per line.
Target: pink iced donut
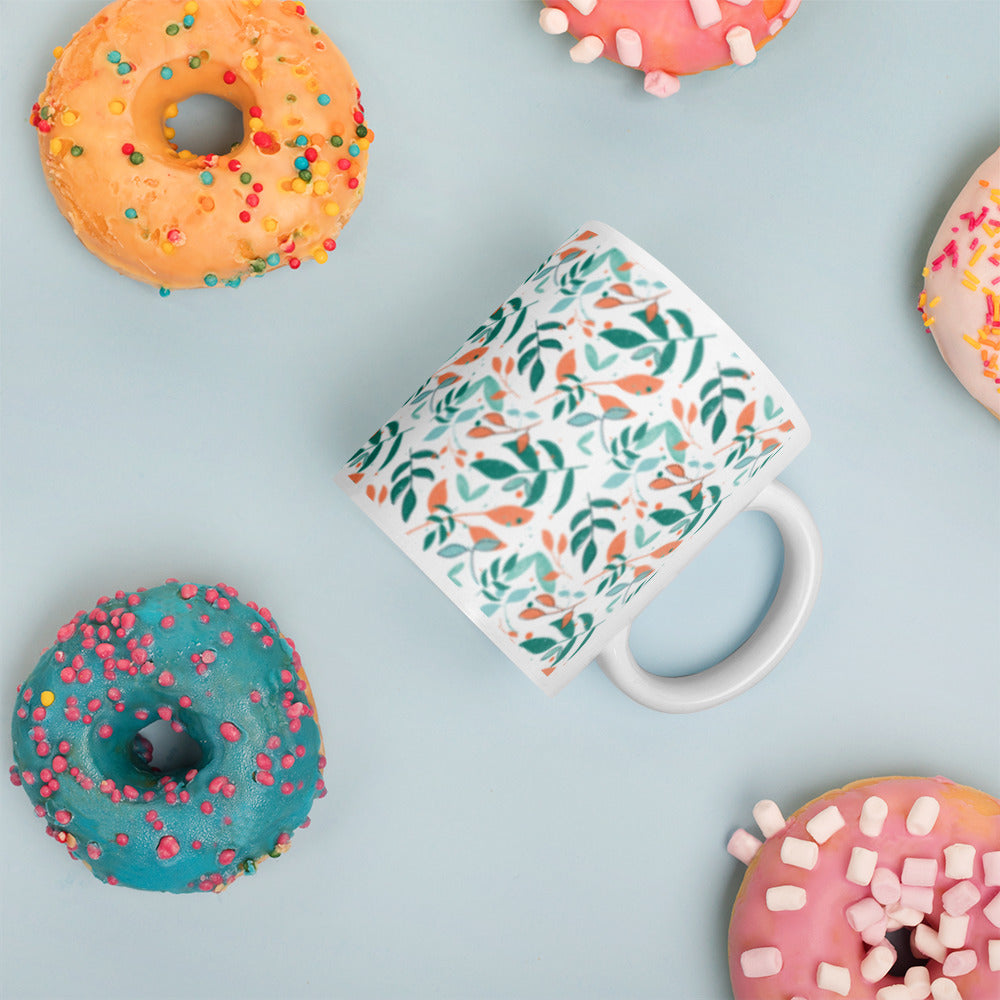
{"x":886,"y":889}
{"x":667,"y":39}
{"x":960,"y":301}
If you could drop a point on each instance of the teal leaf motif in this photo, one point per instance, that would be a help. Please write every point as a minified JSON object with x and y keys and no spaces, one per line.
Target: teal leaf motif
{"x":623,"y":338}
{"x":493,"y":468}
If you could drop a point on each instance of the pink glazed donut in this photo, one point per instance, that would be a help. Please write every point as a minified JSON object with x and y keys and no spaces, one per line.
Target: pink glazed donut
{"x":667,"y":39}
{"x":960,"y":300}
{"x":886,"y":889}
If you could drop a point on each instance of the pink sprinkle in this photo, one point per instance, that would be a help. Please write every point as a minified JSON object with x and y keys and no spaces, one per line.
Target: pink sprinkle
{"x":65,"y":632}
{"x":167,"y":847}
{"x":59,"y":764}
{"x":164,"y":712}
{"x":63,"y":816}
{"x":166,"y":679}
{"x":184,"y":701}
{"x":67,"y":675}
{"x":208,"y":656}
{"x":264,"y":761}
{"x":104,"y":650}
{"x":287,"y":760}
{"x":273,"y":743}
{"x":230,"y":732}
{"x":93,"y":851}
{"x":104,"y":731}
{"x":226,"y":856}
{"x":211,"y":595}
{"x":287,"y":788}
{"x":263,"y":777}
{"x":121,"y":839}
{"x":215,"y":785}
{"x":189,"y":589}
{"x":167,"y":621}
{"x":226,"y":638}
{"x":206,"y":807}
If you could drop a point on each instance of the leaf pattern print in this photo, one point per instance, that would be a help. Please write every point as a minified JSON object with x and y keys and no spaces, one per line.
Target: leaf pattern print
{"x":567,"y":452}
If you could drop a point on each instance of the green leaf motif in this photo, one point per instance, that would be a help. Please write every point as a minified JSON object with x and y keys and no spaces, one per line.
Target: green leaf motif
{"x":683,"y":321}
{"x":667,"y":516}
{"x":493,"y":468}
{"x":541,"y":644}
{"x":718,"y":426}
{"x":623,"y":338}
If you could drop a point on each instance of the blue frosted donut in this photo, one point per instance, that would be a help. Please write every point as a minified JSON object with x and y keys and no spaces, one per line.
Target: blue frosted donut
{"x":212,"y":668}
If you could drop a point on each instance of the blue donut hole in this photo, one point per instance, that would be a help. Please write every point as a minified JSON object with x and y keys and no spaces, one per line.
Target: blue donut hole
{"x":163,"y":751}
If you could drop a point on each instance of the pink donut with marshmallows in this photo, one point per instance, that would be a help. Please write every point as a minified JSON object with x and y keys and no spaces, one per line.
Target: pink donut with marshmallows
{"x":887,"y":889}
{"x":667,"y":39}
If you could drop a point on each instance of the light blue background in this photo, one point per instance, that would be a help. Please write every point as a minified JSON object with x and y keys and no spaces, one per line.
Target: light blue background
{"x":480,"y":840}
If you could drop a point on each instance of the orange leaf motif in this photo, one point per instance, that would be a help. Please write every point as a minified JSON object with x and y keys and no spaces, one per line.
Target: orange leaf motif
{"x":651,"y":311}
{"x":567,"y":618}
{"x":622,"y":289}
{"x":474,"y":355}
{"x":665,"y":550}
{"x":745,"y":419}
{"x":678,"y":409}
{"x":530,"y":613}
{"x":547,"y":539}
{"x":566,"y":366}
{"x":617,"y":546}
{"x":675,"y":470}
{"x":639,"y":385}
{"x":786,"y":426}
{"x":438,"y":496}
{"x":480,"y":432}
{"x":608,"y":302}
{"x":509,"y":516}
{"x":547,"y":599}
{"x":481,"y":534}
{"x":356,"y":477}
{"x":661,"y":484}
{"x":613,"y":403}
{"x":495,"y":418}
{"x":522,"y":442}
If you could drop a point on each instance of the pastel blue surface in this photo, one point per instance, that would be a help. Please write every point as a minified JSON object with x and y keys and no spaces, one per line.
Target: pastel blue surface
{"x":480,"y":840}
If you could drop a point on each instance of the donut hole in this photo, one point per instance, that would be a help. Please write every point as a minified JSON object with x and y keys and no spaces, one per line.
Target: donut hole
{"x":207,"y":125}
{"x":162,"y":749}
{"x":905,"y":959}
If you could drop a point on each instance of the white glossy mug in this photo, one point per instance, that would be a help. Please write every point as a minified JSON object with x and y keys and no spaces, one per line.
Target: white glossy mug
{"x":578,"y":450}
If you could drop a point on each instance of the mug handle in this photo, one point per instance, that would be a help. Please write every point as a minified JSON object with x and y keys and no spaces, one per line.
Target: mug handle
{"x":748,"y":664}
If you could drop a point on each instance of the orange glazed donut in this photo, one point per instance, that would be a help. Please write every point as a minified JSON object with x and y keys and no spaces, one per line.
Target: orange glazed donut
{"x":179,"y":220}
{"x":886,"y":889}
{"x":667,"y":39}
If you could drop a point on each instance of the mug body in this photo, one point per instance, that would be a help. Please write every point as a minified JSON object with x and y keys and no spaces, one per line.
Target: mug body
{"x":576,"y":452}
